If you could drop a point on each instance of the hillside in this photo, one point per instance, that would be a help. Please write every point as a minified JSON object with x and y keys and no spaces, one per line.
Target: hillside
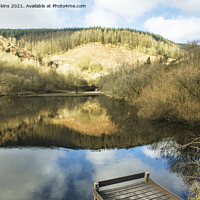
{"x":94,"y":60}
{"x":42,"y":42}
{"x":142,"y":68}
{"x":107,"y":55}
{"x":9,"y":47}
{"x":23,"y":73}
{"x":158,"y":80}
{"x":74,"y":69}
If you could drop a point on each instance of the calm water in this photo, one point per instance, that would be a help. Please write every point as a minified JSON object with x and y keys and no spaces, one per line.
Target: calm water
{"x":56,"y":148}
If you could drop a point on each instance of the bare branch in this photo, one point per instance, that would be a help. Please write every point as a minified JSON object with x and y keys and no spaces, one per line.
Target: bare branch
{"x":184,"y":85}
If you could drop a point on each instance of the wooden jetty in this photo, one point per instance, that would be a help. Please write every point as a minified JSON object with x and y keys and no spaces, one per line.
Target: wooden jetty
{"x":143,"y":190}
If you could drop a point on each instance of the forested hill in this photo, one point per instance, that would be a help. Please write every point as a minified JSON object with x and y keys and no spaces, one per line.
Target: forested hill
{"x":42,"y":42}
{"x":158,"y":76}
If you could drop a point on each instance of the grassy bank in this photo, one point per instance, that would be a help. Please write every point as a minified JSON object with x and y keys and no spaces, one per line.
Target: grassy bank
{"x":161,"y":92}
{"x":28,"y":77}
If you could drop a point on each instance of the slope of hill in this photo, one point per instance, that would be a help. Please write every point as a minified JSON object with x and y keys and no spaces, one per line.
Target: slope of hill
{"x":123,"y":63}
{"x":83,"y":62}
{"x":8,"y":46}
{"x":42,"y":42}
{"x":93,"y":60}
{"x":23,"y":73}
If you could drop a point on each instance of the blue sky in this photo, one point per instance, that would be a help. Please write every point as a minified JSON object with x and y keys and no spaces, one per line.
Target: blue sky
{"x":34,"y":173}
{"x":177,"y":20}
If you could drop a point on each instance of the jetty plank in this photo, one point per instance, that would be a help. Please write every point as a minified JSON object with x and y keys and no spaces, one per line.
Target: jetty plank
{"x":142,"y":190}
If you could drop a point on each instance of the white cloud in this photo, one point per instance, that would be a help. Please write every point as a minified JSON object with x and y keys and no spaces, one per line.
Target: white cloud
{"x":150,"y":153}
{"x":29,"y":174}
{"x":105,"y":13}
{"x":37,"y":17}
{"x":112,"y":164}
{"x":101,"y":157}
{"x":127,"y":8}
{"x":179,"y":30}
{"x":101,"y":18}
{"x":29,"y":19}
{"x":109,"y":13}
{"x":166,"y":147}
{"x":24,"y":172}
{"x":189,"y":6}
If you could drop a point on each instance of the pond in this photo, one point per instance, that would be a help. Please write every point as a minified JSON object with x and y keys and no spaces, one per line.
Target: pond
{"x":57,"y":147}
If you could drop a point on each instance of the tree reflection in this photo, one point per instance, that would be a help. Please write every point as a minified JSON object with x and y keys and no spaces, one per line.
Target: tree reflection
{"x":45,"y":122}
{"x":92,"y":123}
{"x":183,"y":158}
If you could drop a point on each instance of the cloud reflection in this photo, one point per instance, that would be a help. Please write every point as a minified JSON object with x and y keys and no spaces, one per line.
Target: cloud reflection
{"x":112,"y":164}
{"x":27,"y":174}
{"x":166,"y":147}
{"x":24,"y":174}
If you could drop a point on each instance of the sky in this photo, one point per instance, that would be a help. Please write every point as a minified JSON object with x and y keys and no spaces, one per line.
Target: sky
{"x":41,"y":173}
{"x":176,"y":20}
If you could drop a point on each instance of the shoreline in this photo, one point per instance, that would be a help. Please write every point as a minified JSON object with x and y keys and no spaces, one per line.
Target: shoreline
{"x":72,"y":94}
{"x":56,"y":94}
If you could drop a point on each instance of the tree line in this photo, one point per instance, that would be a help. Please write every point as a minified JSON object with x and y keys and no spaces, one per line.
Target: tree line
{"x":161,"y":92}
{"x":42,"y":42}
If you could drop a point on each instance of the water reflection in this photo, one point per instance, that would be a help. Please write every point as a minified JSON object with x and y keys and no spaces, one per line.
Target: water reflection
{"x":182,"y":159}
{"x":110,"y":164}
{"x":57,"y":174}
{"x":88,"y":118}
{"x":38,"y":135}
{"x":25,"y":174}
{"x":93,"y":123}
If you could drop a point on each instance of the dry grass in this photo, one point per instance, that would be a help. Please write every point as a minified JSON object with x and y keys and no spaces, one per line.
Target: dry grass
{"x":89,"y":119}
{"x":95,"y":60}
{"x":11,"y":49}
{"x":97,"y":127}
{"x":108,"y":55}
{"x":161,"y":92}
{"x":77,"y":68}
{"x":28,"y":76}
{"x":173,"y":97}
